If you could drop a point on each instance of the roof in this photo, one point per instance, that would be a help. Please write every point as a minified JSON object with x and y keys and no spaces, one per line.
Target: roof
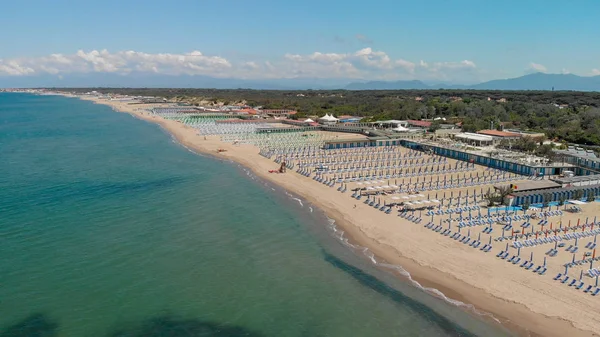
{"x":391,"y":121}
{"x":424,"y":124}
{"x":532,"y":185}
{"x":551,"y":190}
{"x":577,"y":179}
{"x":474,"y":136}
{"x":496,"y":133}
{"x":349,"y":117}
{"x":578,"y":152}
{"x":347,"y":140}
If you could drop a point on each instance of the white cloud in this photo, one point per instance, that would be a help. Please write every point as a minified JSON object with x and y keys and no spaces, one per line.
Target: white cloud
{"x":595,"y":72}
{"x":103,"y":61}
{"x":536,"y":67}
{"x":365,"y":63}
{"x":13,"y":68}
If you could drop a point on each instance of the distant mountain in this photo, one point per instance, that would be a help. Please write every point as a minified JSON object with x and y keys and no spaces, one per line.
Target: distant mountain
{"x":383,"y":85}
{"x":537,"y":81}
{"x":541,"y":81}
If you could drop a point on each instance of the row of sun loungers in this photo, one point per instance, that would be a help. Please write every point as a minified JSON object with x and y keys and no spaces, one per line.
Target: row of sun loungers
{"x":436,"y":165}
{"x":575,"y":283}
{"x":465,"y":239}
{"x":526,"y":264}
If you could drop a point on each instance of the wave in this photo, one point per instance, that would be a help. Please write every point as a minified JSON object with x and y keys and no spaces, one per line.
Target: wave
{"x":339,"y":234}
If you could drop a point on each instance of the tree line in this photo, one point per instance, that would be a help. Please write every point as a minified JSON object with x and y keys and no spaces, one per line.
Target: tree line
{"x":573,"y":117}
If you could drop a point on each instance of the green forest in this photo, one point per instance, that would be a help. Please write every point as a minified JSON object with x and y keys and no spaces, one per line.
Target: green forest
{"x":573,"y":117}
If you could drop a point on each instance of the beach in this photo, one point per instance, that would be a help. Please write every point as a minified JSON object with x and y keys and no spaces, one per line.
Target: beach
{"x":520,"y":300}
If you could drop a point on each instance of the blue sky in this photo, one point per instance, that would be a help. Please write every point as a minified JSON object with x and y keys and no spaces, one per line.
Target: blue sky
{"x":436,"y":40}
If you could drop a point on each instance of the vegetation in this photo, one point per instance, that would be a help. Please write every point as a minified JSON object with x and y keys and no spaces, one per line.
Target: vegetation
{"x":546,"y":198}
{"x":498,"y":196}
{"x":577,"y":195}
{"x":591,"y":196}
{"x":570,"y":116}
{"x":525,"y":205}
{"x":562,"y":200}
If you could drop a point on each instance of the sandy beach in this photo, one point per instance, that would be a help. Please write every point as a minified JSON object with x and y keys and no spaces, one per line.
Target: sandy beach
{"x":524,"y":302}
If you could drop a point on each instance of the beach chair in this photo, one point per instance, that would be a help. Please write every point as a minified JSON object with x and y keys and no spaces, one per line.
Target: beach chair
{"x":581,"y":284}
{"x":565,"y":280}
{"x":572,"y":282}
{"x":587,"y":290}
{"x":596,"y":292}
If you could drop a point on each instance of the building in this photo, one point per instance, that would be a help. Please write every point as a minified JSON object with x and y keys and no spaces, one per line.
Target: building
{"x":447,"y":132}
{"x":392,"y":123}
{"x":532,"y":185}
{"x":586,"y":160}
{"x":349,"y":119}
{"x":500,"y":135}
{"x":419,"y":124}
{"x":553,"y":194}
{"x":480,"y":158}
{"x":278,"y":113}
{"x":577,"y":181}
{"x":365,"y":142}
{"x":474,"y":138}
{"x":534,"y":135}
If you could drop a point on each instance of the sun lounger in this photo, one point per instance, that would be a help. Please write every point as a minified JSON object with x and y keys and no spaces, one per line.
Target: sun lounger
{"x":596,"y":292}
{"x":565,"y":280}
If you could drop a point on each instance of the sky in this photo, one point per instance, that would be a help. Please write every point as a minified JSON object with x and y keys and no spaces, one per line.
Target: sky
{"x":461,"y":41}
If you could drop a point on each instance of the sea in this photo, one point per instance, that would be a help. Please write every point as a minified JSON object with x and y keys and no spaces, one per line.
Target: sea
{"x":110,"y":228}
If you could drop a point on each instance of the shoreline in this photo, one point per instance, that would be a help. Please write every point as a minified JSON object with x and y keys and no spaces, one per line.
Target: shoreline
{"x":514,"y":316}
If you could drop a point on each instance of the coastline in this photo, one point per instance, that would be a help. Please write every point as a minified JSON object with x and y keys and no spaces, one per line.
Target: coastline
{"x":425,"y":266}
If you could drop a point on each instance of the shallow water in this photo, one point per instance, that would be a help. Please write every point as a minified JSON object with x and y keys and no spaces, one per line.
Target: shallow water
{"x":109,"y":228}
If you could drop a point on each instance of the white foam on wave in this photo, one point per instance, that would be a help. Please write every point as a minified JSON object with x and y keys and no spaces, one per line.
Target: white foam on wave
{"x":299,"y":201}
{"x":339,"y":234}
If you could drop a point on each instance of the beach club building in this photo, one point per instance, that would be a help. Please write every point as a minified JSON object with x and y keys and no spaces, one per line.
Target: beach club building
{"x":418,"y":124}
{"x":586,"y":160}
{"x":505,"y":164}
{"x":390,"y":140}
{"x":498,"y":136}
{"x":552,"y":195}
{"x":474,"y":139}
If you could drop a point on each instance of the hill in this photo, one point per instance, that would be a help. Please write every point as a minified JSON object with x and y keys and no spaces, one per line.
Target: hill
{"x":537,"y":81}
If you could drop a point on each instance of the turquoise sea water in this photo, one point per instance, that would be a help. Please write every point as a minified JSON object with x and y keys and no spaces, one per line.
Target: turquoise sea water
{"x":109,"y":228}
